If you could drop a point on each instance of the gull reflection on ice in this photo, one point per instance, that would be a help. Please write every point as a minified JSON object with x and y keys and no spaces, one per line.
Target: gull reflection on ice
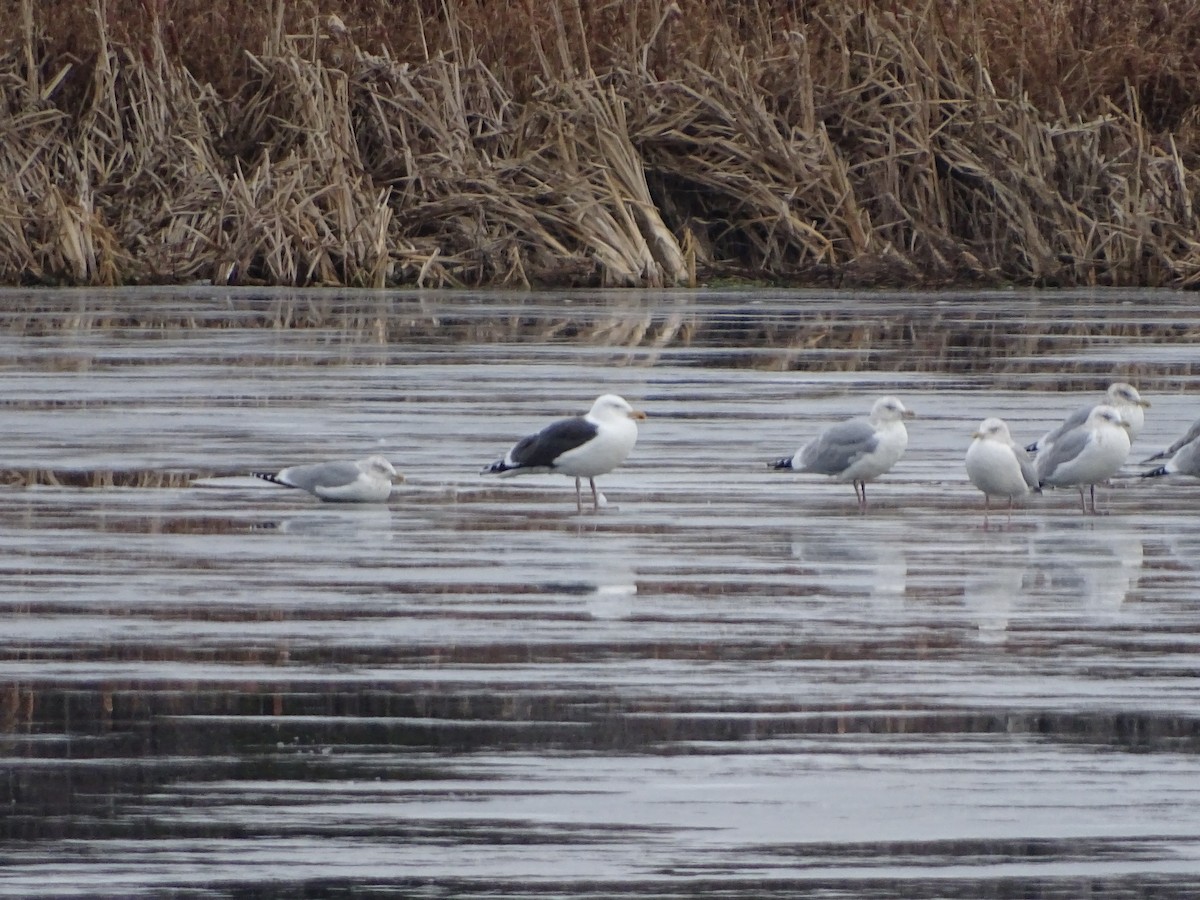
{"x":1095,"y":569}
{"x":855,"y":565}
{"x":613,"y":598}
{"x":991,"y":594}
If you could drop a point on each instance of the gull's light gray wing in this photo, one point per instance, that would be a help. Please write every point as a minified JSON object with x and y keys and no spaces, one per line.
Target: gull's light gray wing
{"x":837,"y":447}
{"x":1028,"y":470}
{"x":1074,"y":420}
{"x":1193,"y":434}
{"x":323,"y":475}
{"x":1187,"y":459}
{"x":1061,"y":452}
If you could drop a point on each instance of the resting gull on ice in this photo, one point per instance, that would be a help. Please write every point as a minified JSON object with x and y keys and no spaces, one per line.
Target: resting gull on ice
{"x":1087,"y":454}
{"x":363,"y":481}
{"x":1184,"y":456}
{"x":581,"y":447}
{"x":998,"y":466}
{"x":856,"y":450}
{"x":1121,"y":396}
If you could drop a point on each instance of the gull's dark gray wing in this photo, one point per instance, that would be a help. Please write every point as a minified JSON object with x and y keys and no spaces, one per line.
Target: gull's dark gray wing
{"x":541,"y":450}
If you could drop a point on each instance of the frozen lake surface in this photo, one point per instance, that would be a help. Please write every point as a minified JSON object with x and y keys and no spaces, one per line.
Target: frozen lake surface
{"x":727,"y":682}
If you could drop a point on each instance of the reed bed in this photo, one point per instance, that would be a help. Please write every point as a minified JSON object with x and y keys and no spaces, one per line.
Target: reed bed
{"x":449,"y":143}
{"x":99,"y":478}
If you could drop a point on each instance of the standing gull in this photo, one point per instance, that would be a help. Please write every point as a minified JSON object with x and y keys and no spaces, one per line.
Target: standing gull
{"x":1121,"y":396}
{"x":582,"y":446}
{"x":347,"y":481}
{"x":1087,"y":454}
{"x":857,"y":450}
{"x":998,"y":466}
{"x":1184,"y":456}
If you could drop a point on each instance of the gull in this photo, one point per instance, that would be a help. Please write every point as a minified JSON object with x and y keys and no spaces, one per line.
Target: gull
{"x":998,"y":466}
{"x":1121,"y":396}
{"x":856,"y":450}
{"x":1086,"y":454}
{"x":1192,"y":435}
{"x":1184,"y":456}
{"x":582,"y":446}
{"x":347,"y":481}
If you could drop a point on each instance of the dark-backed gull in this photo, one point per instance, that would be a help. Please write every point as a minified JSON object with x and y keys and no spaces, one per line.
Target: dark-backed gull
{"x":580,"y":447}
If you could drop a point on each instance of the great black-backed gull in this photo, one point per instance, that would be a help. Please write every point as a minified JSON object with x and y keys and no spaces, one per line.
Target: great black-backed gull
{"x":1121,"y":396}
{"x":347,"y":481}
{"x":581,"y":447}
{"x":857,"y":450}
{"x":998,"y":466}
{"x":1183,"y":456}
{"x":1087,"y":454}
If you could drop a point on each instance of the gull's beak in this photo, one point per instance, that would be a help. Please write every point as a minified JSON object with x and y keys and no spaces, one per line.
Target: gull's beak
{"x":397,"y":478}
{"x":637,"y":414}
{"x":977,"y":434}
{"x":908,"y":414}
{"x":1144,"y":404}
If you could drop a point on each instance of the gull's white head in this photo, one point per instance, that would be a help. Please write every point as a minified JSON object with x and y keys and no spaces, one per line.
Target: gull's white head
{"x":993,"y":429}
{"x":380,"y":466}
{"x":889,"y":409}
{"x":1121,"y":394}
{"x":1106,"y":415}
{"x":610,"y":406}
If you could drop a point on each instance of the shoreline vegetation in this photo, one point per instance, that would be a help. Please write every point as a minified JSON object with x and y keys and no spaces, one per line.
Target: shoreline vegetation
{"x":562,"y":143}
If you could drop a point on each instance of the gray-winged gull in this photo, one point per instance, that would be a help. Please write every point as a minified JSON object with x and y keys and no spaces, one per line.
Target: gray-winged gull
{"x":581,"y":447}
{"x":998,"y":466}
{"x":1184,"y":456}
{"x":856,"y":450}
{"x":1087,"y":454}
{"x":347,"y":481}
{"x":1192,"y":434}
{"x":1121,"y":396}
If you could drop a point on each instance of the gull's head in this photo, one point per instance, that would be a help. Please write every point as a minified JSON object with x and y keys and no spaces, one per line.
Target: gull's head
{"x":380,"y":466}
{"x":889,"y":409}
{"x":1105,"y":414}
{"x":994,"y":429}
{"x":610,"y":406}
{"x":1121,"y":394}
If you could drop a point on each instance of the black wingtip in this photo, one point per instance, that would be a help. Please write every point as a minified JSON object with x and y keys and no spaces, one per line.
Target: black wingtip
{"x":1155,"y":473}
{"x":269,"y":476}
{"x":496,"y":468}
{"x":784,"y":463}
{"x":1031,"y":448}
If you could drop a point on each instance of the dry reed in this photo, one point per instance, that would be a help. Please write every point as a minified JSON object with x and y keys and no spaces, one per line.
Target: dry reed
{"x":444,"y":143}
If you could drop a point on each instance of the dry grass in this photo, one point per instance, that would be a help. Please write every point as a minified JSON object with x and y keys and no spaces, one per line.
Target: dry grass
{"x":97,"y":478}
{"x":446,"y":143}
